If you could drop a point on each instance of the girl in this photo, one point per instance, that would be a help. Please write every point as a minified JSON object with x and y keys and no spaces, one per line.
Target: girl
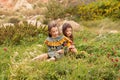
{"x":55,"y":44}
{"x":67,"y":31}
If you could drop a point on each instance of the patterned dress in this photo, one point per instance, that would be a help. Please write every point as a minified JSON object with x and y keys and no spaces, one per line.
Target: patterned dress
{"x":55,"y":44}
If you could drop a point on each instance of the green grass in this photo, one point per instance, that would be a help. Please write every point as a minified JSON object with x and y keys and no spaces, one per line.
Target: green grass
{"x":96,"y":60}
{"x":98,"y":55}
{"x":102,"y":26}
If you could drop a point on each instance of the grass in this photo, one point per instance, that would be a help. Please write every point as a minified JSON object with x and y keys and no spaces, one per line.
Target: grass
{"x":102,"y":26}
{"x":98,"y":59}
{"x":98,"y":55}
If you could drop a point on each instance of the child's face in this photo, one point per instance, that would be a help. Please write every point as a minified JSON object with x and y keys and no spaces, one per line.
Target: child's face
{"x":54,"y":32}
{"x":68,"y":32}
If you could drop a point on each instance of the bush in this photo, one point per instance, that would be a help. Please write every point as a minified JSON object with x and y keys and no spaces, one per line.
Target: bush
{"x":55,"y":10}
{"x":13,"y":20}
{"x":18,"y":33}
{"x":87,"y":10}
{"x":99,"y":10}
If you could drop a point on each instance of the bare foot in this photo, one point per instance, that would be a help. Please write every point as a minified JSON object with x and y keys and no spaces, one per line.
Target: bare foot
{"x":51,"y":59}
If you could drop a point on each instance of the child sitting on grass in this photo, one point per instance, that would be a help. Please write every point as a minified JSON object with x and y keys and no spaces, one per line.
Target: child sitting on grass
{"x":55,"y":43}
{"x":67,"y":31}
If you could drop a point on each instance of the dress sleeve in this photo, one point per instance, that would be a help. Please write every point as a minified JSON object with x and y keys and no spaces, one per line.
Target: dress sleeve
{"x":68,"y":42}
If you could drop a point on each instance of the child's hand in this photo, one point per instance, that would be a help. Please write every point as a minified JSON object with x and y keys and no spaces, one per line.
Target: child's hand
{"x":72,"y":47}
{"x":60,"y":51}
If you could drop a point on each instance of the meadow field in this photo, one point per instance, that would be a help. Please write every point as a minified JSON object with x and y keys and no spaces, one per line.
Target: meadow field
{"x":98,"y":56}
{"x":98,"y":44}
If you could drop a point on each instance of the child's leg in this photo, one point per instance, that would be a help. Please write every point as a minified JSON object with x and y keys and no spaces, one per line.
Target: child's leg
{"x":41,"y":57}
{"x":51,"y":59}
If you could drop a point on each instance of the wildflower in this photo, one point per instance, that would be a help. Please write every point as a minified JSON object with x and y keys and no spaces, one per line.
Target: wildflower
{"x":116,"y":60}
{"x":85,"y":40}
{"x":115,"y":52}
{"x":65,"y":44}
{"x":112,"y":59}
{"x":113,"y":49}
{"x":91,"y":54}
{"x":115,"y":65}
{"x":108,"y":55}
{"x":5,"y":49}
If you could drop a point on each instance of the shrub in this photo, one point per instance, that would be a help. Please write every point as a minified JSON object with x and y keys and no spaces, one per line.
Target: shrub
{"x":13,"y":20}
{"x":83,"y":10}
{"x":55,"y":10}
{"x":15,"y":34}
{"x":99,"y":9}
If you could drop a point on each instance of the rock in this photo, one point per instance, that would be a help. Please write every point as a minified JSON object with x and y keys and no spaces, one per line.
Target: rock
{"x":6,"y":4}
{"x":37,"y":17}
{"x":23,"y":4}
{"x":6,"y":25}
{"x":43,"y":1}
{"x":36,"y":20}
{"x":113,"y":31}
{"x":2,"y":16}
{"x":75,"y":25}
